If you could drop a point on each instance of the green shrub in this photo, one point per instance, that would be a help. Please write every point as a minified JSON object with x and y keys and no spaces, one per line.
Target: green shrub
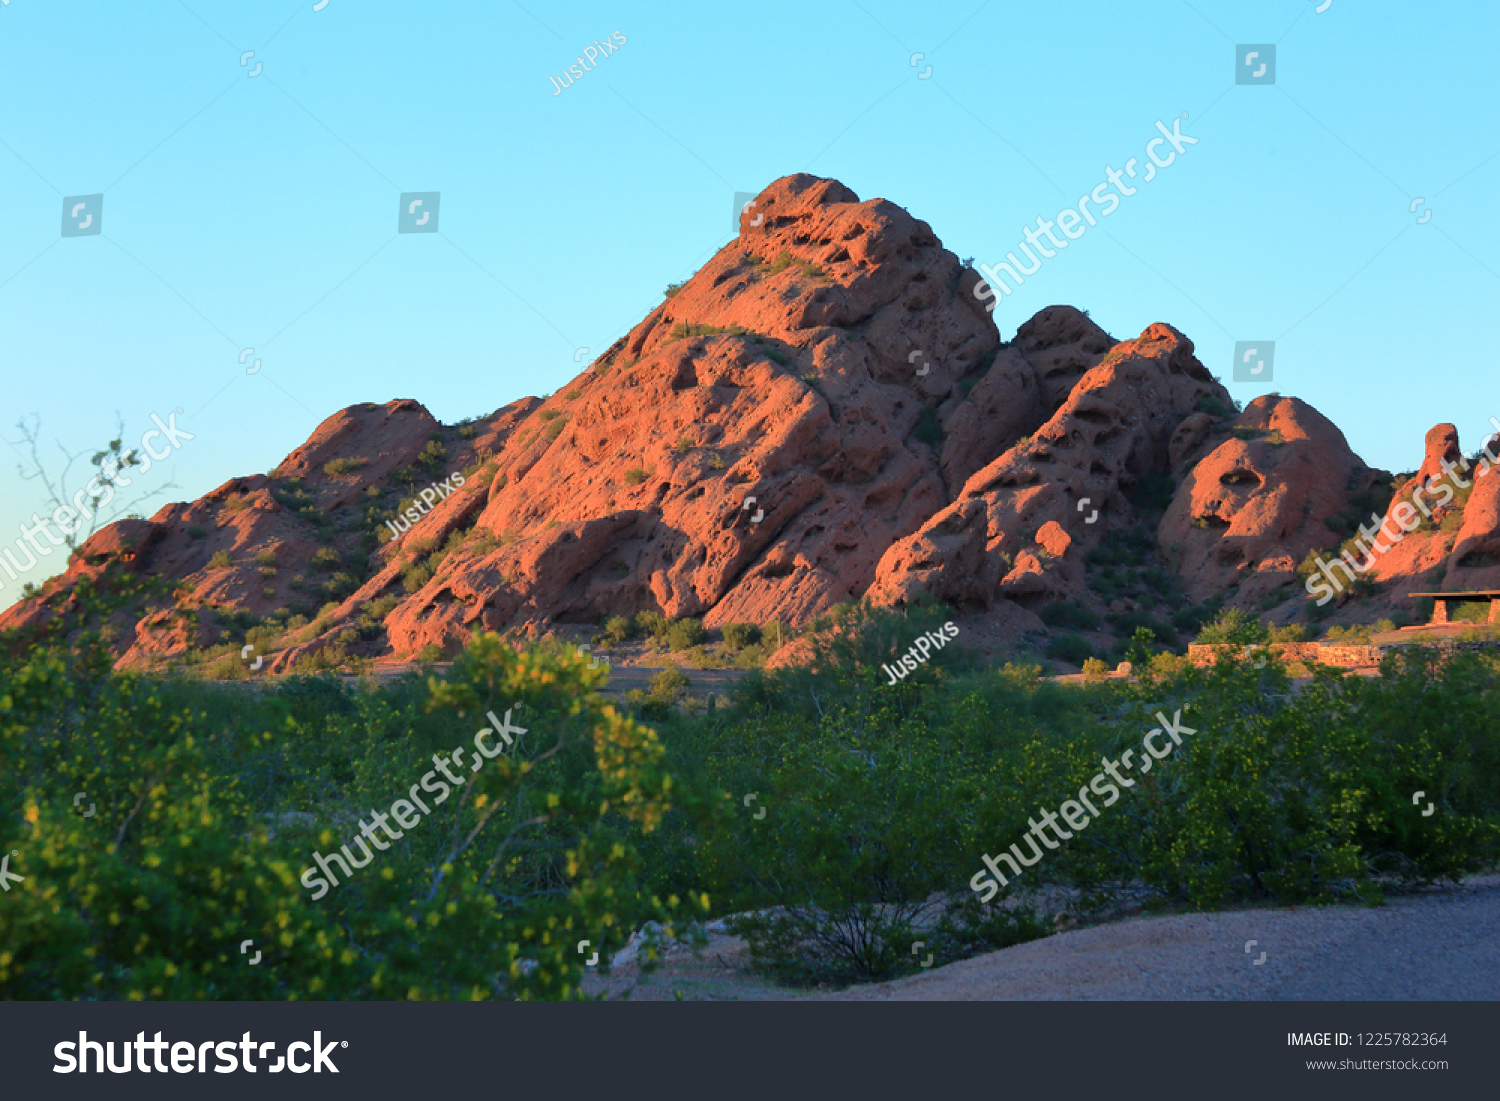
{"x":1060,"y":613}
{"x":1071,"y":648}
{"x":618,"y":629}
{"x":929,"y":427}
{"x":740,"y":635}
{"x":1291,"y":632}
{"x":1153,"y":493}
{"x":774,"y":634}
{"x":209,"y":804}
{"x":684,"y":633}
{"x":893,"y":799}
{"x":1469,"y":611}
{"x":343,"y":465}
{"x":219,"y":560}
{"x":1233,"y":626}
{"x":684,"y":330}
{"x":1359,"y":633}
{"x":1316,"y":612}
{"x":651,"y":624}
{"x":432,"y":456}
{"x":635,"y":476}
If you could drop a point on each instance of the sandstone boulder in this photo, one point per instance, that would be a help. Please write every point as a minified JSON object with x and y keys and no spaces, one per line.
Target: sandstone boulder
{"x":1077,"y":474}
{"x":1249,"y":511}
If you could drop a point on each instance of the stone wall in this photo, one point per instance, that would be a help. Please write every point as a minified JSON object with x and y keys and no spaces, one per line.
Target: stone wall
{"x":1341,"y":655}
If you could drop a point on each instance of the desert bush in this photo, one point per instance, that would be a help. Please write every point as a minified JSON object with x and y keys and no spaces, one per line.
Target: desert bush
{"x":891,"y":798}
{"x":652,"y":624}
{"x":344,"y":465}
{"x":684,"y":330}
{"x":1074,"y":649}
{"x":219,"y":560}
{"x":618,"y":629}
{"x":740,"y":635}
{"x":635,"y":476}
{"x":1291,"y":632}
{"x":1060,"y":613}
{"x":684,"y":633}
{"x":1469,"y":611}
{"x":1359,"y":633}
{"x":929,"y":428}
{"x":667,"y":690}
{"x":1233,"y":626}
{"x":210,"y":804}
{"x":1153,"y":493}
{"x":773,"y":635}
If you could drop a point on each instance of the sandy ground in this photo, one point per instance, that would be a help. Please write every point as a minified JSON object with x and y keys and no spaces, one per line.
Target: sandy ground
{"x":1438,"y":944}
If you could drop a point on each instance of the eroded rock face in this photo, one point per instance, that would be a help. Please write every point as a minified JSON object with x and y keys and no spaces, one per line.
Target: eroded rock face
{"x":1248,"y":512}
{"x":823,"y":412}
{"x":271,"y":530}
{"x":1076,"y":474}
{"x":848,"y":337}
{"x":1475,"y":559}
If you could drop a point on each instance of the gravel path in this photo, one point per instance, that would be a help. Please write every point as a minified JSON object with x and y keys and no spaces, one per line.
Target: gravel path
{"x":1438,"y":945}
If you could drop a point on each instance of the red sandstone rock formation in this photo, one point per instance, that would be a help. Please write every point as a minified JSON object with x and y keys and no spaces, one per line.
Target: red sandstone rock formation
{"x":1248,"y":512}
{"x":1113,"y":430}
{"x":823,"y":412}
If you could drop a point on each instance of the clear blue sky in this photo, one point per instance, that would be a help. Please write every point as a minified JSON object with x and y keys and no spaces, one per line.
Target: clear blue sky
{"x":261,"y":211}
